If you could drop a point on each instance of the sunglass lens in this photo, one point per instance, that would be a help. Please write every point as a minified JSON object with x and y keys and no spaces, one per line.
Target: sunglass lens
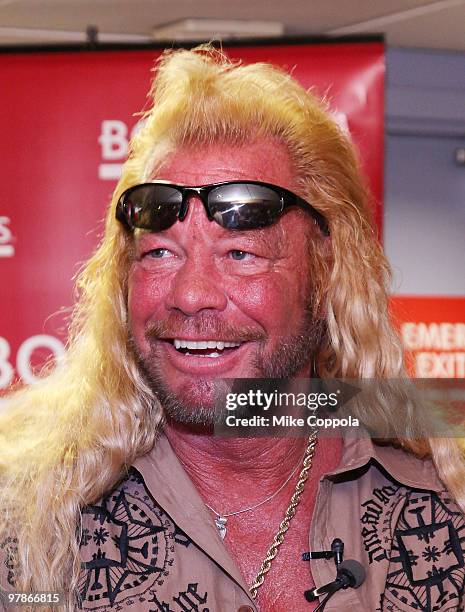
{"x":154,"y":207}
{"x":244,"y":206}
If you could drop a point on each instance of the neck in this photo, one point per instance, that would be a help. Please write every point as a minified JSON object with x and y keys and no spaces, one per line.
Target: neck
{"x":234,"y":471}
{"x":211,"y":460}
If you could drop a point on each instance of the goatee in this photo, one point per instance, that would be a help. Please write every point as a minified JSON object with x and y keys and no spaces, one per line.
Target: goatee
{"x":202,"y":403}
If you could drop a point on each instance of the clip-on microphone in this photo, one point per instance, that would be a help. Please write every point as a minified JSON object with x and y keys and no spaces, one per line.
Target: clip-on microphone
{"x":350,"y":574}
{"x":336,"y":553}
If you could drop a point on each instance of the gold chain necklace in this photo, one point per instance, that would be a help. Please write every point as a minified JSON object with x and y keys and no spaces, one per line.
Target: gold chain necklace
{"x":289,"y":514}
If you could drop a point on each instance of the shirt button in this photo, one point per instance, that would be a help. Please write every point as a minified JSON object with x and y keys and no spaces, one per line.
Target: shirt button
{"x":245,"y":609}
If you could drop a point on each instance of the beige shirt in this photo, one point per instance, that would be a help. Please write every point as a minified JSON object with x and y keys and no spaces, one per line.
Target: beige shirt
{"x":151,"y":545}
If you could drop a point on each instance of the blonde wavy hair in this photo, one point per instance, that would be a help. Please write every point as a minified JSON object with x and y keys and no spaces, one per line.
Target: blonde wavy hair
{"x":67,"y":440}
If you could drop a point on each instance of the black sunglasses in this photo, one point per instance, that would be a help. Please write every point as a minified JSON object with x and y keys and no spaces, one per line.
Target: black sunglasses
{"x":240,"y":205}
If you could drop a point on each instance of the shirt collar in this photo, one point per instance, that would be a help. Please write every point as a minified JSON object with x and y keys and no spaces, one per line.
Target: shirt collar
{"x":359,"y":451}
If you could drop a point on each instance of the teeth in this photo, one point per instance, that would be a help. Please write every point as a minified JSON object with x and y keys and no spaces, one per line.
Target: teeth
{"x":214,"y":355}
{"x":204,"y":344}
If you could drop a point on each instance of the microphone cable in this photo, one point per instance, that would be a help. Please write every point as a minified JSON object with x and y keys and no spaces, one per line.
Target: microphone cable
{"x":350,"y":574}
{"x":321,"y":606}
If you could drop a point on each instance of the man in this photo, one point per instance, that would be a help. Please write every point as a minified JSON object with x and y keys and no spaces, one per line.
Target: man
{"x":116,"y":492}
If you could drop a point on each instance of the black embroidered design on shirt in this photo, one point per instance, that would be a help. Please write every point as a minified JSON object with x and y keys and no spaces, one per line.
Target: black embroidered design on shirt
{"x":100,"y":535}
{"x":85,"y":537}
{"x":180,"y":537}
{"x":375,"y":519}
{"x":189,"y":600}
{"x":126,"y":546}
{"x":431,"y":530}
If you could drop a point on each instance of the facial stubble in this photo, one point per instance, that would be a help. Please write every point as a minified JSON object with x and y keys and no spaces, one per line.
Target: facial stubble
{"x":190,"y":407}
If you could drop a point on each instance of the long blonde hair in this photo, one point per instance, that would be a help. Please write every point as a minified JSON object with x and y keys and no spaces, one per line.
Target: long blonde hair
{"x":69,"y":439}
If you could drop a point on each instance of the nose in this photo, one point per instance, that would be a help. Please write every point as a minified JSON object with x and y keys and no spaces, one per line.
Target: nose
{"x":194,"y":290}
{"x":197,"y":285}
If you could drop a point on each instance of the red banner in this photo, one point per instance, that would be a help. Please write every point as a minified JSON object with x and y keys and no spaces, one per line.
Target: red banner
{"x":65,"y":130}
{"x":433,"y":334}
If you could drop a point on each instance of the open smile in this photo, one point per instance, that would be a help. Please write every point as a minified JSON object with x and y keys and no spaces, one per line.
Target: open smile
{"x":205,"y":356}
{"x":204,"y":348}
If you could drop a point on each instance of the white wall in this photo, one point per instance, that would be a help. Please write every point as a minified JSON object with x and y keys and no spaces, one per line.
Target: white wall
{"x":424,"y":231}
